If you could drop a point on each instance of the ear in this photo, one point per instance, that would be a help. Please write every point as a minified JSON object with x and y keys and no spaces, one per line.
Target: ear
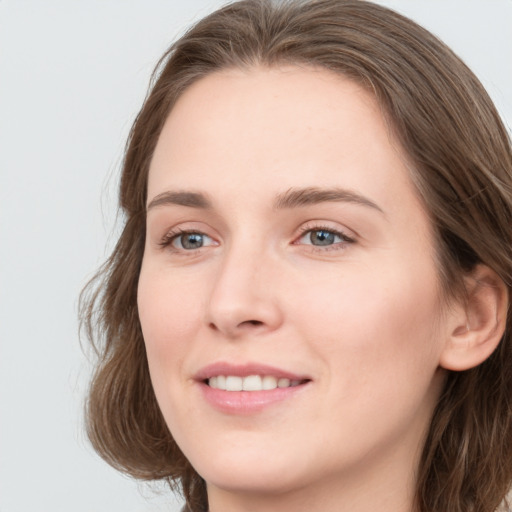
{"x":476,"y":327}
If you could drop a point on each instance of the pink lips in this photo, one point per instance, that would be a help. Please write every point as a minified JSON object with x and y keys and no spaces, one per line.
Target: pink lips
{"x":245,"y":370}
{"x":247,"y":402}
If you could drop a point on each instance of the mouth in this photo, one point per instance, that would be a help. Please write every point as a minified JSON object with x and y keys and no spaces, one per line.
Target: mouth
{"x":251,"y":382}
{"x":248,"y":389}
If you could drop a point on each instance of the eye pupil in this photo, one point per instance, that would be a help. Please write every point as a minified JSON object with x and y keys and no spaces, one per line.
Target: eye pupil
{"x":322,"y":237}
{"x":192,"y":240}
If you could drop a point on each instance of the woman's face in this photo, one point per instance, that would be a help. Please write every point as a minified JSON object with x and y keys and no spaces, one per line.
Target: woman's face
{"x":286,"y":247}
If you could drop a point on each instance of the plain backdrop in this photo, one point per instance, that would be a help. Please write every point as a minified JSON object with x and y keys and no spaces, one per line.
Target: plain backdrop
{"x":72,"y":77}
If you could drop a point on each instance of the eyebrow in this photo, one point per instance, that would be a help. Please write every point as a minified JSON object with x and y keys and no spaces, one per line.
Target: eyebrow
{"x":181,"y":198}
{"x":297,"y":197}
{"x":292,"y":198}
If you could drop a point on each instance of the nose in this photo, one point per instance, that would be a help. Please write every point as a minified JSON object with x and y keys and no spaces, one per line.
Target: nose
{"x":244,"y":296}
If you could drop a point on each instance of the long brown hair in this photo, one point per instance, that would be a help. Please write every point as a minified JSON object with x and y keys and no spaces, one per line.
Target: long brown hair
{"x":462,"y":168}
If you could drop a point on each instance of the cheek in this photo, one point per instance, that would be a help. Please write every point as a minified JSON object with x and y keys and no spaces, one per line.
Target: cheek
{"x":169,"y":317}
{"x":377,"y":322}
{"x":169,"y":320}
{"x":378,"y":339}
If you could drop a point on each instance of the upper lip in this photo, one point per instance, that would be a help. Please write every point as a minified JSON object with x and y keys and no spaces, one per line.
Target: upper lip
{"x":244,"y":370}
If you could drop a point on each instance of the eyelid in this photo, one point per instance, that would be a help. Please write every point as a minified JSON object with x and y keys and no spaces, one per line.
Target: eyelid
{"x":178,"y":238}
{"x":346,"y":239}
{"x":346,"y":236}
{"x":172,"y":234}
{"x":344,"y":232}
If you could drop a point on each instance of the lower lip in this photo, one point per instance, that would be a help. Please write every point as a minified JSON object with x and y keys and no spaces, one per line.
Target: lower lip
{"x":247,"y":402}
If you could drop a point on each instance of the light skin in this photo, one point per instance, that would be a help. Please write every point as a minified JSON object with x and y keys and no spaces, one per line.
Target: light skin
{"x":306,"y":248}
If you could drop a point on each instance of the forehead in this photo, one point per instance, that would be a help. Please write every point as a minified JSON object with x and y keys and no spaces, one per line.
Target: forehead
{"x":266,"y":130}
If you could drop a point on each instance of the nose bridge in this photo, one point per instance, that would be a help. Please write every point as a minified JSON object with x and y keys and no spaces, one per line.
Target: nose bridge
{"x":244,"y":292}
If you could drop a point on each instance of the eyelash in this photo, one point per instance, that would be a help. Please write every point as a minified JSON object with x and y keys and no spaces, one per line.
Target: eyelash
{"x":168,"y":239}
{"x":337,"y":246}
{"x":173,"y":235}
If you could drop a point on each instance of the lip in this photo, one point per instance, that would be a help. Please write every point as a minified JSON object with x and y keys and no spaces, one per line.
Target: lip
{"x":247,"y":402}
{"x":244,"y":370}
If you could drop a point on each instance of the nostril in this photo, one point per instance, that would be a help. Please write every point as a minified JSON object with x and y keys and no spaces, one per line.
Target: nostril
{"x":252,"y":322}
{"x":245,"y":322}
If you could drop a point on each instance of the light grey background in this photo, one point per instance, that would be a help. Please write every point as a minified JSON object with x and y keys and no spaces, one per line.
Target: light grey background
{"x":72,"y":77}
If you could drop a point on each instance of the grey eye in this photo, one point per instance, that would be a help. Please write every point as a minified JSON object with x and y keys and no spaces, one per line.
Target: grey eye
{"x":191,"y":241}
{"x":323,"y":237}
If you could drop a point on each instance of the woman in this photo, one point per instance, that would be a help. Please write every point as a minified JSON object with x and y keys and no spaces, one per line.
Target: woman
{"x":308,"y":308}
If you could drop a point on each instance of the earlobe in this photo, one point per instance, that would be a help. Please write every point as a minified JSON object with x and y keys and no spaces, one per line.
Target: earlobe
{"x":479,"y":323}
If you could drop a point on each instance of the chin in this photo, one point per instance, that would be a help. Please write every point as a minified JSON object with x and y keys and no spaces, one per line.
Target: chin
{"x":252,"y":481}
{"x":244,"y":472}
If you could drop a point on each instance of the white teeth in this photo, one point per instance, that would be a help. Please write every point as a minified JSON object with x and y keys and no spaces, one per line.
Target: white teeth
{"x":269,"y":382}
{"x":283,"y":383}
{"x":250,"y":383}
{"x":233,"y":383}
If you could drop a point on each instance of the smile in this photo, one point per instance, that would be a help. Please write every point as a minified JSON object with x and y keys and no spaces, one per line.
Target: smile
{"x":246,"y":389}
{"x":251,"y":382}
